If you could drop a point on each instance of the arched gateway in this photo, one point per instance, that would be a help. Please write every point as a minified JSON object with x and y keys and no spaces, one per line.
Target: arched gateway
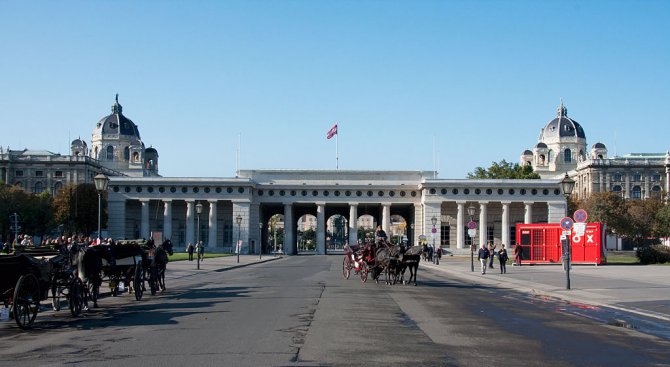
{"x":233,"y":209}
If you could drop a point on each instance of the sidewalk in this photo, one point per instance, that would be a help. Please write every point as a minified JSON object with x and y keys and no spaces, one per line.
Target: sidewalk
{"x":640,"y":289}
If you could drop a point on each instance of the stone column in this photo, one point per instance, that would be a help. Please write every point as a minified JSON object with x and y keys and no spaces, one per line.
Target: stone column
{"x":528,"y":212}
{"x":144,"y":224}
{"x":167,"y":219}
{"x":241,"y":231}
{"x":290,"y":244}
{"x":646,"y":188}
{"x":505,"y":222}
{"x":213,"y":238}
{"x":386,"y":218}
{"x":321,"y":228}
{"x":353,"y":223}
{"x":116,"y":222}
{"x":483,"y":221}
{"x":190,"y":223}
{"x":460,"y":233}
{"x":627,"y":187}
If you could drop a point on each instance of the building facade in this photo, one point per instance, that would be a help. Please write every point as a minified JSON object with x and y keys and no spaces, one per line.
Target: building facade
{"x":562,"y":148}
{"x":116,"y":150}
{"x":239,"y":209}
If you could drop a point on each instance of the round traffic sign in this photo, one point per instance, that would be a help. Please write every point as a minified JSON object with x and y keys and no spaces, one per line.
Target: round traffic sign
{"x":580,"y":216}
{"x":434,"y":230}
{"x":566,"y":223}
{"x":472,"y":224}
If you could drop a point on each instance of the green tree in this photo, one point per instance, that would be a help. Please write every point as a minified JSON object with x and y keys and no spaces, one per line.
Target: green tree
{"x":35,"y":211}
{"x":609,"y":208}
{"x":76,"y":208}
{"x":502,"y":170}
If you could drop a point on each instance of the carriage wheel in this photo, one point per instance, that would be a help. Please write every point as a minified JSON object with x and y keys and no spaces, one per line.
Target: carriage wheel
{"x":26,"y":301}
{"x":76,"y":295}
{"x":364,"y":272}
{"x":346,"y":267}
{"x":138,"y":282}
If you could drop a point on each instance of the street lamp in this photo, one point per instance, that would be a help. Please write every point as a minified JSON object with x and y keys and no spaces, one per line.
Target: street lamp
{"x":238,"y":219}
{"x":471,"y":212}
{"x":260,"y":240}
{"x":434,"y":221}
{"x":101,"y":182}
{"x":198,"y":210}
{"x":411,"y":235}
{"x":567,"y":185}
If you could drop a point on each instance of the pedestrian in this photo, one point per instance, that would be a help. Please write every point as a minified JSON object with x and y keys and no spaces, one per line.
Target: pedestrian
{"x":517,"y":254}
{"x":438,"y":254}
{"x":502,"y":257}
{"x":482,"y":256}
{"x":380,"y":234}
{"x":189,"y":249}
{"x":492,"y":251}
{"x":201,"y":250}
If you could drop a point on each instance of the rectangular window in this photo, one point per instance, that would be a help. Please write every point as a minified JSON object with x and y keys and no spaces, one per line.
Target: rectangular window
{"x":656,"y":178}
{"x":637,"y":177}
{"x":58,"y":174}
{"x":616,"y":177}
{"x":445,"y":236}
{"x":18,"y":173}
{"x":39,"y":173}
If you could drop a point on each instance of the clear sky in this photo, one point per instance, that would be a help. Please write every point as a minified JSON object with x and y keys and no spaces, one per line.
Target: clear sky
{"x":478,"y":78}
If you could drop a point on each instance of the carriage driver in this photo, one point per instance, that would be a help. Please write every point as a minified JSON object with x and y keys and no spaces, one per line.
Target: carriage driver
{"x":380,"y":235}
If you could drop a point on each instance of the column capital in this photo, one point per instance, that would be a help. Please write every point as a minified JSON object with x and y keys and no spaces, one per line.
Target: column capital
{"x":483,"y":202}
{"x":212,"y":201}
{"x":353,"y":204}
{"x":506,"y":202}
{"x":166,"y":200}
{"x":461,"y":202}
{"x":143,"y":200}
{"x":528,"y":202}
{"x":320,"y":203}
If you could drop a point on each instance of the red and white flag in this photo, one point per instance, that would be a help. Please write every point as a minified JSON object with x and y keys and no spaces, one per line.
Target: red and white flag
{"x":332,"y":132}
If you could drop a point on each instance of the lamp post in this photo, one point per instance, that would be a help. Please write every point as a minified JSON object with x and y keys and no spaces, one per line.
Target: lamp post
{"x":434,"y":221}
{"x":198,"y":210}
{"x":260,"y":240}
{"x":471,"y":213}
{"x":411,"y":226}
{"x":567,"y":185}
{"x":101,"y":182}
{"x":238,"y":220}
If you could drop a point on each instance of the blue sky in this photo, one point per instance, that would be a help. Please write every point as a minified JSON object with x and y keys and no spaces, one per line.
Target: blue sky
{"x":478,"y":78}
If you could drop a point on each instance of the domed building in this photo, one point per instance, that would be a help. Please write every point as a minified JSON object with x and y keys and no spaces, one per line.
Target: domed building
{"x":560,"y":147}
{"x":117,"y":144}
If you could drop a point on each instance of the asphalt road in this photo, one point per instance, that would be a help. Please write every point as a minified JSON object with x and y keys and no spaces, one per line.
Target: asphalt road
{"x":299,"y":311}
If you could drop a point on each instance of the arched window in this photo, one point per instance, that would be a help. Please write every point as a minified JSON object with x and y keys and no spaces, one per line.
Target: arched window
{"x":550,"y":156}
{"x":600,"y":156}
{"x":136,"y":157}
{"x":38,"y":187}
{"x":541,"y":159}
{"x":567,"y":156}
{"x":656,"y":192}
{"x":636,"y":192}
{"x":126,"y":153}
{"x":95,"y":153}
{"x":110,"y":153}
{"x":616,"y":188}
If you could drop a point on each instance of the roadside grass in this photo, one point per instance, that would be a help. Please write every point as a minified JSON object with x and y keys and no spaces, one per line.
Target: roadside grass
{"x":622,"y":258}
{"x":184,"y":256}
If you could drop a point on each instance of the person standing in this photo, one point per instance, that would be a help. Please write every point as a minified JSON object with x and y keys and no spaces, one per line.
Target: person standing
{"x":482,"y":256}
{"x":438,"y":254}
{"x":517,"y":254}
{"x":502,"y":257}
{"x":201,"y":251}
{"x":492,"y":252}
{"x":380,"y":234}
{"x":189,"y":249}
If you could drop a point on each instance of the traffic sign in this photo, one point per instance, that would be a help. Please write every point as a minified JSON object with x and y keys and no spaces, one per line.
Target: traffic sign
{"x":580,"y":228}
{"x":472,"y":224}
{"x":580,"y":216}
{"x":472,"y":232}
{"x":434,"y":230}
{"x":566,"y":223}
{"x":566,"y":233}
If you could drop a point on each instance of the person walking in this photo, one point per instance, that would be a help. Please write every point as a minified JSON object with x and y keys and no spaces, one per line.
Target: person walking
{"x":201,"y":251}
{"x":189,"y":249}
{"x":517,"y":254}
{"x":482,"y":256}
{"x":438,"y":254}
{"x":502,"y":257}
{"x":492,"y":252}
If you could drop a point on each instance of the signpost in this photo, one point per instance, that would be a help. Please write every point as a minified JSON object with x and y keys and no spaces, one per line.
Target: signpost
{"x":566,"y":224}
{"x":472,"y":232}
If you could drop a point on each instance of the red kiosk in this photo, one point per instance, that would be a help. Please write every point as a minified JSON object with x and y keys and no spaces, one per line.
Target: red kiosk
{"x":541,"y":244}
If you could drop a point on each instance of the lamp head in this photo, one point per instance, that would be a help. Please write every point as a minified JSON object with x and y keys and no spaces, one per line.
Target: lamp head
{"x":198,"y":208}
{"x":101,"y":181}
{"x":567,"y":185}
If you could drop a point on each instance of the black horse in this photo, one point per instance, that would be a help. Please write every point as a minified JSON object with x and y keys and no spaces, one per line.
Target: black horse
{"x":387,"y":259}
{"x":159,"y":263}
{"x":410,"y":259}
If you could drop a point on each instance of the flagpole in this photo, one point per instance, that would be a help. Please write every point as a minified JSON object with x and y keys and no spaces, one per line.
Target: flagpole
{"x":337,"y":158}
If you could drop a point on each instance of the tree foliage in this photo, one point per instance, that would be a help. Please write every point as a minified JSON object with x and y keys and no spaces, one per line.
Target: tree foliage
{"x":76,"y":208}
{"x":504,"y":169}
{"x":35,"y":211}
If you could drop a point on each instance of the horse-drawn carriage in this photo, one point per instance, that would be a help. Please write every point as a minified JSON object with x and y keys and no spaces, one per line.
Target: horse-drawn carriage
{"x":381,"y":256}
{"x":27,"y":276}
{"x":126,"y":263}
